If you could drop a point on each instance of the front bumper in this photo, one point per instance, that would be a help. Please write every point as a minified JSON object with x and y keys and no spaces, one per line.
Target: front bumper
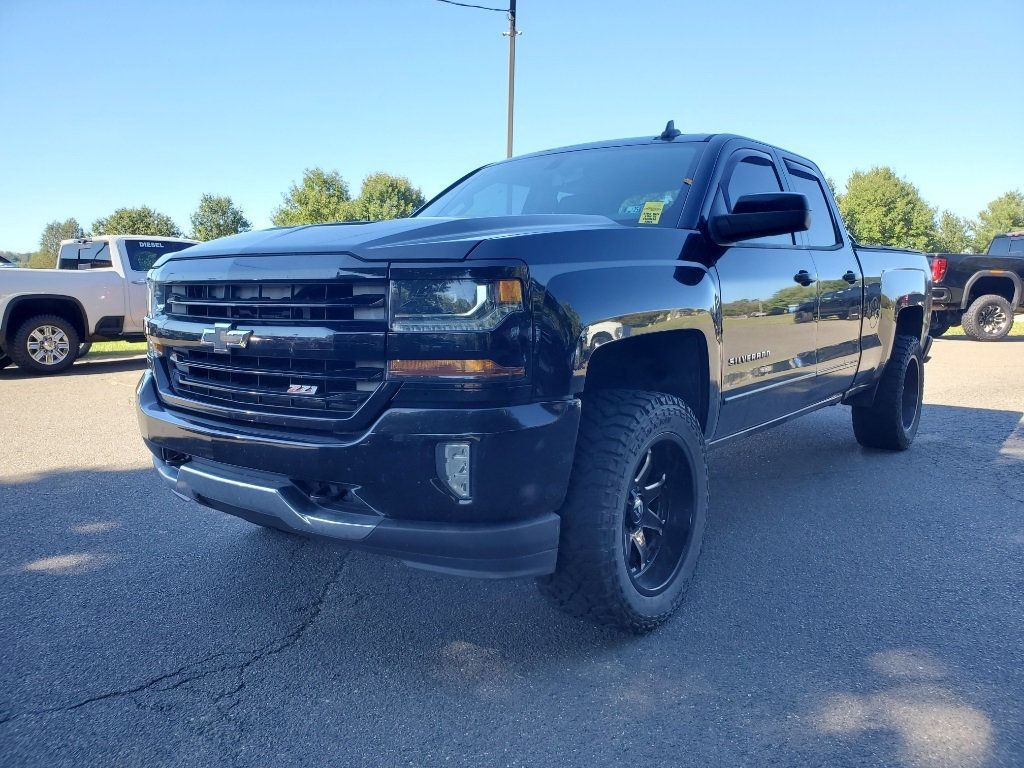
{"x":393,"y":500}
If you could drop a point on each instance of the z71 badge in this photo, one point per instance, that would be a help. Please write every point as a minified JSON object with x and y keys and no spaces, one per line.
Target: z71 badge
{"x":302,"y":389}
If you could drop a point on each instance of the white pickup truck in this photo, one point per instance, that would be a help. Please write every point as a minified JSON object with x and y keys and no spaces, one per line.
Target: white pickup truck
{"x":97,"y":292}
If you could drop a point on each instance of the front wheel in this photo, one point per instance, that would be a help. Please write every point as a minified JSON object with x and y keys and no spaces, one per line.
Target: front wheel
{"x":989,"y":318}
{"x":891,"y":421}
{"x":633,"y":521}
{"x":45,"y":344}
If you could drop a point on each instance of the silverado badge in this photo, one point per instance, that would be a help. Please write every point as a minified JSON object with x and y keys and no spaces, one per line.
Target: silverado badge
{"x":750,"y":357}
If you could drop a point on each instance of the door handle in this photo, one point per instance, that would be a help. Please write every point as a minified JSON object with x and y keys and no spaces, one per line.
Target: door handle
{"x":803,"y":277}
{"x":850,"y":277}
{"x":138,"y":282}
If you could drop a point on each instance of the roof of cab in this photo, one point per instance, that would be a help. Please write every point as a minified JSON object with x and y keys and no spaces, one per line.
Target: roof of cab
{"x":636,"y":140}
{"x":711,"y":138}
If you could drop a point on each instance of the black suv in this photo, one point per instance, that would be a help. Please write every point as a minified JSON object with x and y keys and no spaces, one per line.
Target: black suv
{"x":980,"y":291}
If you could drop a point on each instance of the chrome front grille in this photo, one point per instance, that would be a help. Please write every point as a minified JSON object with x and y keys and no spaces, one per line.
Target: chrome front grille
{"x":314,"y":351}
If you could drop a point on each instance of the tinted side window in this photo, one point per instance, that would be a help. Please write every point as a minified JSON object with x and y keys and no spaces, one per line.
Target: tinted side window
{"x":142,"y":254}
{"x":751,"y":176}
{"x":804,"y":181}
{"x":1000,"y":246}
{"x":1017,"y":245}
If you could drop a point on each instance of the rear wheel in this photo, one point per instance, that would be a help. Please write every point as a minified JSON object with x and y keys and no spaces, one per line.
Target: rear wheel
{"x":633,"y":521}
{"x":940,"y":324}
{"x":45,"y":344}
{"x":891,"y":421}
{"x":989,"y":318}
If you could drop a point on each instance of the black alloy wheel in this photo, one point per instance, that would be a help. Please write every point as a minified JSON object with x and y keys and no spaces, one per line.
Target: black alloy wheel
{"x":658,"y":519}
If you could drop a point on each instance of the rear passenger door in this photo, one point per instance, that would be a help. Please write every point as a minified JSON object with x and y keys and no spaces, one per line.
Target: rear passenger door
{"x":840,"y":283}
{"x":769,"y":296}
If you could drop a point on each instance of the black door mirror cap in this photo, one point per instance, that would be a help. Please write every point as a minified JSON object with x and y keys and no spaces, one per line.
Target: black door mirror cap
{"x":762,"y":215}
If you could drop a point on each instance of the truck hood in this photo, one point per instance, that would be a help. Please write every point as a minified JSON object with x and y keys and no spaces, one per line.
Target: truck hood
{"x":416,"y":239}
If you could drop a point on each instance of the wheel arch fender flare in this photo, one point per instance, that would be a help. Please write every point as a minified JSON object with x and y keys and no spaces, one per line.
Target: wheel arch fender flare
{"x":997,"y":273}
{"x":79,"y":316}
{"x":902,"y":289}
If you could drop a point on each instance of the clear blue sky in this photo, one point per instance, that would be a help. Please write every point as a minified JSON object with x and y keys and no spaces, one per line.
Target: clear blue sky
{"x":105,"y":104}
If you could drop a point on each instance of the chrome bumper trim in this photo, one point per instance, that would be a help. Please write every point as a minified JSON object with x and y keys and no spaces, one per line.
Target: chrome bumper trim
{"x":262,"y":494}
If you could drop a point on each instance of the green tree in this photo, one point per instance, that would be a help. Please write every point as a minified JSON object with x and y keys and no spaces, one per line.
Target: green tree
{"x":881,"y":208}
{"x":216,"y":217}
{"x":384,"y":196}
{"x":953,"y":234}
{"x":1004,"y":214}
{"x":54,"y":232}
{"x":322,"y":197}
{"x":136,"y":221}
{"x":42,"y":260}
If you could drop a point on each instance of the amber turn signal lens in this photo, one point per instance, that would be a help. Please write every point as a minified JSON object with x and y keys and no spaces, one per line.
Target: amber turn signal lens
{"x":510,"y":292}
{"x":462,"y":369}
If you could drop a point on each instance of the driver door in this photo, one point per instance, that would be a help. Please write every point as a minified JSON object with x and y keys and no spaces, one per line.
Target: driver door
{"x":769,"y":307}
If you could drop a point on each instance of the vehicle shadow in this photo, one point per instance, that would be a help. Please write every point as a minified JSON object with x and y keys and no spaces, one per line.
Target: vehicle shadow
{"x":825,"y":568}
{"x":84,"y":367}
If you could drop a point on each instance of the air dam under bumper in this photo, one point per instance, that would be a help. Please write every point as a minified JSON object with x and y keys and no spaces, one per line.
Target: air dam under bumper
{"x":396,"y":505}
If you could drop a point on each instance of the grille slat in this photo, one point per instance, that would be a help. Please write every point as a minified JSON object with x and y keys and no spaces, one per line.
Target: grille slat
{"x":291,"y":346}
{"x":337,"y":304}
{"x":361,"y":373}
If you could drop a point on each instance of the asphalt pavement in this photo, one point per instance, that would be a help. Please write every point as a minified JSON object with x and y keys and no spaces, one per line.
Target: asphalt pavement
{"x":851,"y":608}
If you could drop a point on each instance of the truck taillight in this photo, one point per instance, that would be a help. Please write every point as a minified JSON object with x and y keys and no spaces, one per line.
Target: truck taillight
{"x":939,"y":266}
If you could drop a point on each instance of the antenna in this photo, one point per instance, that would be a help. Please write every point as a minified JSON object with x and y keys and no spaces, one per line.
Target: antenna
{"x":670,"y":131}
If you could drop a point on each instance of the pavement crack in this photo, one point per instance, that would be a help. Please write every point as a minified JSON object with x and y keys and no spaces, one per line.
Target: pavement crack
{"x":181,"y":676}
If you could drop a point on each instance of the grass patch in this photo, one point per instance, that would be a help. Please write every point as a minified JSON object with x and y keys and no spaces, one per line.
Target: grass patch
{"x":1017,"y":330}
{"x":117,"y":349}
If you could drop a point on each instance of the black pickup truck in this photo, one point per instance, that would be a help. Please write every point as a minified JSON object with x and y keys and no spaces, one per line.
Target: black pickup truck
{"x":980,"y":291}
{"x":431,"y":388}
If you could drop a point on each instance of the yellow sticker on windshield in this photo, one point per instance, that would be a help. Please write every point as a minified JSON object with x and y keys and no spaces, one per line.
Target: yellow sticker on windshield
{"x":651,"y":214}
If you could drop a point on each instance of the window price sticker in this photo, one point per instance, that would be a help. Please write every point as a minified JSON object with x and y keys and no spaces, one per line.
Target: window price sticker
{"x":651,"y":214}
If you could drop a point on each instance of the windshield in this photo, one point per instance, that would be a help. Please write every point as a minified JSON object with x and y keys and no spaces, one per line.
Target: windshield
{"x":142,"y":254}
{"x":640,"y":185}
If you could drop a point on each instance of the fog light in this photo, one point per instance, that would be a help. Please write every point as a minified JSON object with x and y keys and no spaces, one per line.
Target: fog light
{"x":454,"y":463}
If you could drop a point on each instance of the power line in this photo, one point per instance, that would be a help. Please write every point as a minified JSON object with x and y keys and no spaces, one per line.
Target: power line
{"x":471,"y":5}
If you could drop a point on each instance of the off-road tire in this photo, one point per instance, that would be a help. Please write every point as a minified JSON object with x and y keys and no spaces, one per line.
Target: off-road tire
{"x":19,"y":347}
{"x":940,"y":324}
{"x":973,"y":317}
{"x":885,"y":423}
{"x":591,"y":579}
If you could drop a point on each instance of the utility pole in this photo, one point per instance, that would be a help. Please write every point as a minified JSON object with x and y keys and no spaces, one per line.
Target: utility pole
{"x":511,"y":35}
{"x":511,"y":70}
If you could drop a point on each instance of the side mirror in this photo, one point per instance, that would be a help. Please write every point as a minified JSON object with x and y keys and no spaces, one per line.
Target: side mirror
{"x":771,"y":213}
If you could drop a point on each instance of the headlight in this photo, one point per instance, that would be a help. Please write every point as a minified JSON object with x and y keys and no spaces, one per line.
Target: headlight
{"x":453,"y":305}
{"x":155,"y":295}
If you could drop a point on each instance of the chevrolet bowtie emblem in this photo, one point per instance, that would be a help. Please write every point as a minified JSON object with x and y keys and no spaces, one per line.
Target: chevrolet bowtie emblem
{"x":222,"y":337}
